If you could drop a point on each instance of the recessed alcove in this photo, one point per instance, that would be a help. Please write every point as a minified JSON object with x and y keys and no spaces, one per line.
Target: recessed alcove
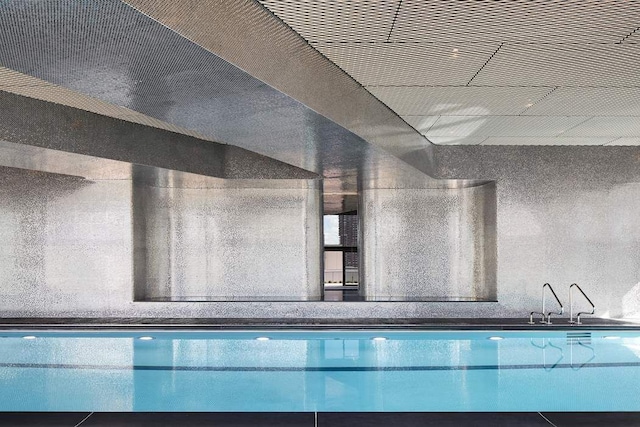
{"x":225,"y":240}
{"x":429,"y":244}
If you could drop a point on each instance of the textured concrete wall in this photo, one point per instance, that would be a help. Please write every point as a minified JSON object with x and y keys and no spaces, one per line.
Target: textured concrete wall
{"x":429,"y":245}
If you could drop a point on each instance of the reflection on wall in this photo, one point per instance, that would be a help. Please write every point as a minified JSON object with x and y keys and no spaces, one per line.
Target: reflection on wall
{"x":429,"y":245}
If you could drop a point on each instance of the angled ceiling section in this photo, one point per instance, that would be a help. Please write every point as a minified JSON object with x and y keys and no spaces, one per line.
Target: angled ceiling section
{"x":30,"y":129}
{"x":224,"y":70}
{"x":31,"y":87}
{"x":517,"y":72}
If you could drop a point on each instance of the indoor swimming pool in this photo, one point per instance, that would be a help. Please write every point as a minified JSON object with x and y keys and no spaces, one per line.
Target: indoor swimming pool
{"x":290,"y":371}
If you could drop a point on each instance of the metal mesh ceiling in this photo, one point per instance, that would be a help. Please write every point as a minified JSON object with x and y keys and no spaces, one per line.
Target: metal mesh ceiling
{"x":349,"y":21}
{"x":108,"y":57}
{"x":25,"y":85}
{"x":523,"y":72}
{"x":526,"y":21}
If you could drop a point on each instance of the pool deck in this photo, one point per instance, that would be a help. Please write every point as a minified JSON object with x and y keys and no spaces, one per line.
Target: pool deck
{"x":322,"y":419}
{"x":559,"y":323}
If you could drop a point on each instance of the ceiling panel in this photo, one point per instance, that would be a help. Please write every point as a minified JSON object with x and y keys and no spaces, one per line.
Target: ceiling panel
{"x":563,"y":65}
{"x":528,"y":21}
{"x":589,"y":101}
{"x":31,"y":87}
{"x":545,"y":141}
{"x":337,"y":20}
{"x":625,"y":141}
{"x":459,"y":101}
{"x":516,"y":72}
{"x":421,"y":123}
{"x":607,"y":126}
{"x":11,"y":78}
{"x":457,"y":140}
{"x":633,"y":37}
{"x":409,"y":64}
{"x":478,"y":126}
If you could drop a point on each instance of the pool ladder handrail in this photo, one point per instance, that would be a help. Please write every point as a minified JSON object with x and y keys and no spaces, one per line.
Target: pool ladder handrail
{"x":593,"y":307}
{"x":548,"y":315}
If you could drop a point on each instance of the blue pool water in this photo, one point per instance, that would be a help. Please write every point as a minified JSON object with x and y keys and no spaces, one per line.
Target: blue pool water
{"x":320,"y":371}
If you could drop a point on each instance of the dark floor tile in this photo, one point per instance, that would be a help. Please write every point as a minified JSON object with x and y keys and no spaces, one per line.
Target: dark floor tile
{"x":441,"y":419}
{"x":37,"y":419}
{"x":588,"y":419}
{"x":218,"y":419}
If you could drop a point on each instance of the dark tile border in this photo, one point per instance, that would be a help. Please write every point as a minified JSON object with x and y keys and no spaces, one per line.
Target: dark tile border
{"x":49,"y":419}
{"x":218,"y":419}
{"x":439,"y":419}
{"x":321,"y":419}
{"x":589,"y":419}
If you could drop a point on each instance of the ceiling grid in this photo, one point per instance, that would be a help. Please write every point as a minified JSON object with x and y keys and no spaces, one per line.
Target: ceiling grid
{"x":395,"y":18}
{"x":524,"y":72}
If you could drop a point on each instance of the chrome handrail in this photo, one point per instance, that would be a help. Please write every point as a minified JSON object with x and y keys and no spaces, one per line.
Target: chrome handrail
{"x":531,"y":322}
{"x":593,"y":307}
{"x":561,"y":312}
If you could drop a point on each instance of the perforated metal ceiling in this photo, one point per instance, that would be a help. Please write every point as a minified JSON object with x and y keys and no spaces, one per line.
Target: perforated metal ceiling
{"x":26,"y":85}
{"x":488,"y":72}
{"x":138,"y":60}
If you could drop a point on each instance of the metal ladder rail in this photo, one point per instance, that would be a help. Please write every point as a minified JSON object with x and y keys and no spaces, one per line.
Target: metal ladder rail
{"x":561,"y":312}
{"x":593,"y":307}
{"x":542,"y":313}
{"x":531,"y":322}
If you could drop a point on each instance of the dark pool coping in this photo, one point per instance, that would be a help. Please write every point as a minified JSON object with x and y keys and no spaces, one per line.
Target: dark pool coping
{"x":320,"y":419}
{"x":515,"y":324}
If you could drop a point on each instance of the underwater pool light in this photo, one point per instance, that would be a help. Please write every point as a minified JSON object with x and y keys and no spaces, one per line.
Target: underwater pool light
{"x":29,"y":337}
{"x":379,"y":339}
{"x":263,"y":339}
{"x":495,"y":338}
{"x":146,"y":338}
